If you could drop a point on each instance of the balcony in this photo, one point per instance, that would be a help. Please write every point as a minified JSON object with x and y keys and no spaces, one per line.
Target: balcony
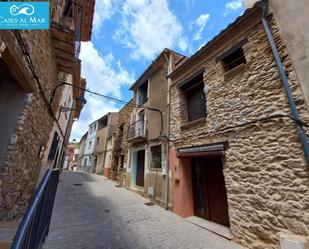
{"x":66,"y":33}
{"x":137,"y":132}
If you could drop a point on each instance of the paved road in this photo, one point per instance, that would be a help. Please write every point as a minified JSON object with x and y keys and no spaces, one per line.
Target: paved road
{"x":91,"y":213}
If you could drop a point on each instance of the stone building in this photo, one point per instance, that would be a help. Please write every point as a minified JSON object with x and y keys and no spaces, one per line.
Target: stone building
{"x":34,"y":129}
{"x":236,"y":158}
{"x":120,"y":155}
{"x":147,"y":173}
{"x":294,"y":35}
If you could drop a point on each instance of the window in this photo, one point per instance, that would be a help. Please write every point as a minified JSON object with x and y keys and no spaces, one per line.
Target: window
{"x":68,"y":9}
{"x":97,"y":141}
{"x":142,"y":94}
{"x":195,"y":97}
{"x":121,"y":130}
{"x":89,"y":146}
{"x":156,"y":156}
{"x":121,"y":161}
{"x":233,"y":57}
{"x":54,"y":146}
{"x":196,"y":102}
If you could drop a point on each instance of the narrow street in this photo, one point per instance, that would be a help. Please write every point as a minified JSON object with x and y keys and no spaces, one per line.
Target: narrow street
{"x":91,"y":212}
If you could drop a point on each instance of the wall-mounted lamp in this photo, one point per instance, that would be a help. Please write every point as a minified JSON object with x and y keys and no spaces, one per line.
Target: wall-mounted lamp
{"x":80,"y":100}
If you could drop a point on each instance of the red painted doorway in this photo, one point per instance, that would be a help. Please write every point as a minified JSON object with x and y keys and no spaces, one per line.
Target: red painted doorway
{"x":210,"y":200}
{"x":140,"y":168}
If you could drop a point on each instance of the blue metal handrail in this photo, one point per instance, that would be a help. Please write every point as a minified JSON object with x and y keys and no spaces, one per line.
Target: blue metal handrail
{"x":34,"y":226}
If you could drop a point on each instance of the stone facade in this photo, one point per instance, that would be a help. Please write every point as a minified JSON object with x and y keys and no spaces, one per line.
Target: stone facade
{"x":294,"y":35}
{"x":121,"y":146}
{"x":266,"y":176}
{"x":20,"y":169}
{"x":30,"y":62}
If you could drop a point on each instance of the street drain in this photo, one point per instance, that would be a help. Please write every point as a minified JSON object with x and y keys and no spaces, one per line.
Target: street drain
{"x":77,"y":184}
{"x":149,"y":204}
{"x":106,"y":210}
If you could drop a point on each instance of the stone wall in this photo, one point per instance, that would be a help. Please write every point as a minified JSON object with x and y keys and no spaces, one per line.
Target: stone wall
{"x":121,"y":145}
{"x":266,"y":176}
{"x":20,"y":169}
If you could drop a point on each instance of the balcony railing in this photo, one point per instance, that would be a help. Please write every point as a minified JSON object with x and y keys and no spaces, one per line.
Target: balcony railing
{"x":73,"y":14}
{"x":137,"y":131}
{"x":78,"y":32}
{"x":34,"y":226}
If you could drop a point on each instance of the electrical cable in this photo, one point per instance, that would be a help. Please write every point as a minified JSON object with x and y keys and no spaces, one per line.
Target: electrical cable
{"x":274,"y":116}
{"x":35,"y":76}
{"x":160,"y":136}
{"x":119,"y":101}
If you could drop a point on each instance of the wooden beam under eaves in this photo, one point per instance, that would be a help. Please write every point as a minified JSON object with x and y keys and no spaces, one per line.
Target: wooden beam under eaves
{"x":65,"y":57}
{"x":62,"y":35}
{"x":65,"y":69}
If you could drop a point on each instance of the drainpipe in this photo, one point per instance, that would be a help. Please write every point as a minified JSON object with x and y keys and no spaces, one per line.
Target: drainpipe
{"x":300,"y":131}
{"x":169,"y":70}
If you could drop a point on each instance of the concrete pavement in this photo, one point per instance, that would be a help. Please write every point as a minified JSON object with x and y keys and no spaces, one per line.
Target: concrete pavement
{"x":90,"y":212}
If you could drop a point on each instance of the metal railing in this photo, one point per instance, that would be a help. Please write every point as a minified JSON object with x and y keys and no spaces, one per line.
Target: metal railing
{"x":137,"y":129}
{"x":74,"y":13}
{"x":34,"y":226}
{"x":78,"y":32}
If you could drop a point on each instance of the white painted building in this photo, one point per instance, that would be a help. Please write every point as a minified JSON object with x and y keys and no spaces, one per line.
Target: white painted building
{"x":88,"y":160}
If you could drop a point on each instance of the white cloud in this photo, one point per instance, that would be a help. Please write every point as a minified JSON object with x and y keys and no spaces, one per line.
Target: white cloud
{"x":232,"y":6}
{"x":201,"y":22}
{"x":183,"y":43}
{"x":189,"y":3}
{"x":104,"y":9}
{"x":147,"y":27}
{"x":104,"y":75}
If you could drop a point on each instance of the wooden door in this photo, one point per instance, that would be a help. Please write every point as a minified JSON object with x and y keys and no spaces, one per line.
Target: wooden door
{"x":140,"y":168}
{"x":210,"y":191}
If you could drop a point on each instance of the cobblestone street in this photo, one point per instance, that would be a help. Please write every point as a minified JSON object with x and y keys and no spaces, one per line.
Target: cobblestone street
{"x":90,"y":212}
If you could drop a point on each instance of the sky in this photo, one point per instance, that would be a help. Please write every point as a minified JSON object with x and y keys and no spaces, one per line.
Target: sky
{"x":127,"y":36}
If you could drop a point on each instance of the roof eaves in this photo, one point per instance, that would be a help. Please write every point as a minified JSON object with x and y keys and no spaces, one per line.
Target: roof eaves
{"x":164,"y":51}
{"x":217,"y":37}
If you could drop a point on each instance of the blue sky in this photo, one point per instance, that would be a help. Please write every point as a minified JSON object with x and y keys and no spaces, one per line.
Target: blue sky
{"x":127,"y":36}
